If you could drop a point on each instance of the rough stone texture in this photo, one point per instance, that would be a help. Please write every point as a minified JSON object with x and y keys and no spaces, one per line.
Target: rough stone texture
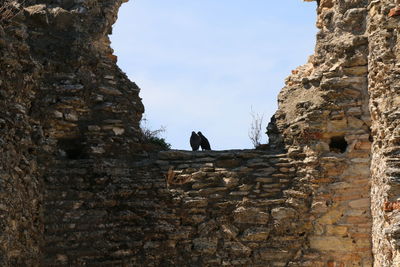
{"x":208,"y":212}
{"x":86,"y":104}
{"x":62,"y":97}
{"x":324,"y":114}
{"x":384,"y":72}
{"x":79,"y":187}
{"x":21,"y":226}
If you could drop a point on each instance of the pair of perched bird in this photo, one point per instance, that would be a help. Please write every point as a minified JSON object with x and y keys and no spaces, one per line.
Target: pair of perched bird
{"x":197,"y":140}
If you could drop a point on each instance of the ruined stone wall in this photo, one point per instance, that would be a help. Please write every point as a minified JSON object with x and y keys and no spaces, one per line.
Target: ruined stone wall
{"x":78,"y":187}
{"x":383,"y":32}
{"x":231,"y":208}
{"x":85,"y":103}
{"x":62,"y":98}
{"x":21,"y":226}
{"x":323,"y":113}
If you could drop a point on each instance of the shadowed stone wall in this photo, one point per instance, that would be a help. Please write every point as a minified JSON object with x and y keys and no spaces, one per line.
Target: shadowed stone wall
{"x":62,"y":97}
{"x":215,"y":208}
{"x":21,"y":226}
{"x":79,"y":187}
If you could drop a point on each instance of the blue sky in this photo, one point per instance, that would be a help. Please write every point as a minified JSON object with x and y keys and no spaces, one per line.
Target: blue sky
{"x":204,"y":65}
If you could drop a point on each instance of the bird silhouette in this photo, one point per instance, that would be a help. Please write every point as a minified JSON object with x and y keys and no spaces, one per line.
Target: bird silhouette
{"x":205,"y":145}
{"x":195,"y":141}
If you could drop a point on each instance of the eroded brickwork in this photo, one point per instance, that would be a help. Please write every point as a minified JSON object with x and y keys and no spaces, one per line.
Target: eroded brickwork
{"x":218,"y":208}
{"x":62,"y":98}
{"x":384,"y":103}
{"x":79,"y":187}
{"x":21,"y":226}
{"x":323,"y":113}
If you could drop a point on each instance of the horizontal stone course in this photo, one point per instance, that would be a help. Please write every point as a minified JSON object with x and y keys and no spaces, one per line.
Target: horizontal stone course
{"x":218,"y":212}
{"x":71,"y":146}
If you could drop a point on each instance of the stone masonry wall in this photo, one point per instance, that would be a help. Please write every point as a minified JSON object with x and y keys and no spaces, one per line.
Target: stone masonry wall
{"x":62,"y":97}
{"x":323,"y":113}
{"x":79,"y":187}
{"x":227,"y":208}
{"x":21,"y":225}
{"x":383,"y":32}
{"x":86,"y":105}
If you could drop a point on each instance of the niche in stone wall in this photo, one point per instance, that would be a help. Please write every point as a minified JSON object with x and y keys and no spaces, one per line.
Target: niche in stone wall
{"x":338,"y":144}
{"x":72,"y":148}
{"x":205,"y":65}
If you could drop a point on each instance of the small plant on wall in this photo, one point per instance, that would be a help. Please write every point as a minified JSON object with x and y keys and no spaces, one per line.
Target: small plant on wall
{"x":153,"y":136}
{"x":255,"y":131}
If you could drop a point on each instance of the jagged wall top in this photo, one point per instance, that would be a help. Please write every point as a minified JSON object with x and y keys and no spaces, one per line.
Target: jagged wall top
{"x":89,"y":103}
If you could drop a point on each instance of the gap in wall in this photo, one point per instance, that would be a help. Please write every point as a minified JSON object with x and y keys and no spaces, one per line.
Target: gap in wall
{"x":203,"y":66}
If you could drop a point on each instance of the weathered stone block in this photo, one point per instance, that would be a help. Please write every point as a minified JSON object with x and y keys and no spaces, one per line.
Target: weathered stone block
{"x":205,"y":245}
{"x":250,"y":215}
{"x":256,"y":234}
{"x":331,"y":217}
{"x":237,"y":249}
{"x":332,"y":243}
{"x":336,"y":230}
{"x":283,"y":213}
{"x":199,"y":202}
{"x":360,"y":203}
{"x":228,"y":163}
{"x":230,"y":182}
{"x":230,"y":230}
{"x":264,"y":180}
{"x":274,"y":254}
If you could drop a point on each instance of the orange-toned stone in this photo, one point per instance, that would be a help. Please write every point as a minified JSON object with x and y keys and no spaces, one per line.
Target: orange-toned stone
{"x":390,"y":206}
{"x":334,"y":264}
{"x":394,"y":12}
{"x":114,"y":58}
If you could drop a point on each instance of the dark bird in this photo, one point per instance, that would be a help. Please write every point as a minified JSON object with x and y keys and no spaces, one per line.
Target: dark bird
{"x":205,"y":145}
{"x":195,"y":141}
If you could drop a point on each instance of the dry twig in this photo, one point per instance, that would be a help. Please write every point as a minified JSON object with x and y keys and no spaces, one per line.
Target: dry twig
{"x":256,"y":128}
